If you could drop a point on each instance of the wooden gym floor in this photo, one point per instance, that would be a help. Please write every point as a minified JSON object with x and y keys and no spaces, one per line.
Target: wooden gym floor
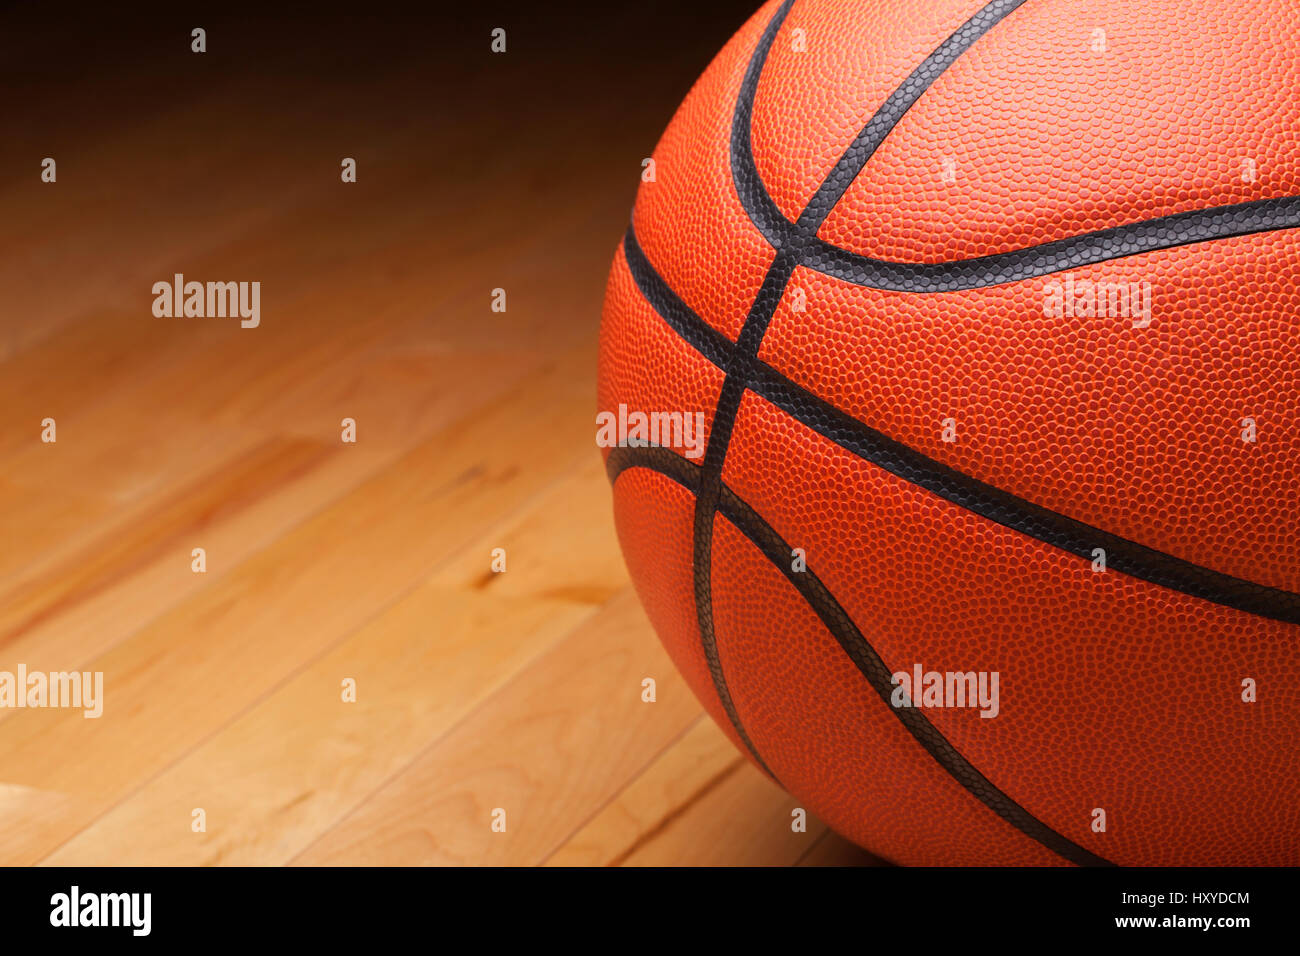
{"x":329,"y":562}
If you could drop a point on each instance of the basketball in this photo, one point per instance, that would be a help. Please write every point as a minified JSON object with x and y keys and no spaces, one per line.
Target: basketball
{"x":949,"y":390}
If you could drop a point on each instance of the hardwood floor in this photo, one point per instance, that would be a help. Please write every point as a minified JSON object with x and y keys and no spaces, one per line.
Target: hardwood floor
{"x":330,"y":564}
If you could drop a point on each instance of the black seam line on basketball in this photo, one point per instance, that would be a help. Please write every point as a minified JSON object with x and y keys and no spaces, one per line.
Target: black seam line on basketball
{"x":718,"y":349}
{"x":754,"y":197}
{"x":894,"y":108}
{"x":697,"y":333}
{"x":706,"y":500}
{"x":1060,"y":255}
{"x":788,"y":256}
{"x":750,"y":188}
{"x":733,"y":389}
{"x":841,"y":626}
{"x":1166,"y":232}
{"x":1010,"y":511}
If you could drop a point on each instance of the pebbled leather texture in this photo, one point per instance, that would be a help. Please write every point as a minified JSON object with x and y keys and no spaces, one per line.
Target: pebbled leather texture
{"x":920,"y":300}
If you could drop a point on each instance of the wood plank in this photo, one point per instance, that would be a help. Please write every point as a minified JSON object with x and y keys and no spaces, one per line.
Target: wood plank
{"x":744,"y":819}
{"x":550,"y":748}
{"x":195,"y":668}
{"x":687,"y":770}
{"x":699,"y":785}
{"x":301,"y":759}
{"x":117,"y":575}
{"x":369,"y":561}
{"x":297,"y":762}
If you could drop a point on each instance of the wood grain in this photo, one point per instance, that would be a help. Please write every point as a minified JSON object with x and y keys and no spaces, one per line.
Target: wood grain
{"x":331,"y":565}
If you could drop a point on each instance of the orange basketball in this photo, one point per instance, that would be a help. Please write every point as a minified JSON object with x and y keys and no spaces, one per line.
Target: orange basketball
{"x":951,"y":370}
